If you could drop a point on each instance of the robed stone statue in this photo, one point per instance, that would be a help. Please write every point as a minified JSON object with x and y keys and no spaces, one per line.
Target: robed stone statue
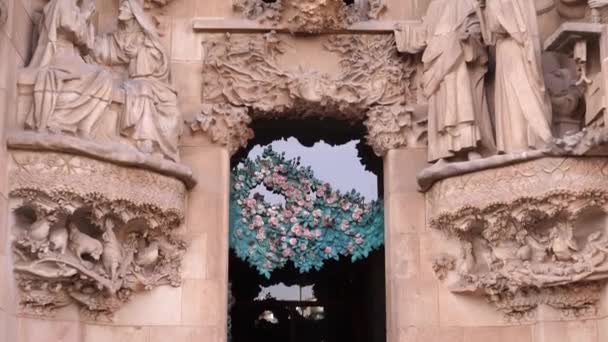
{"x":151,"y":116}
{"x":70,"y":96}
{"x":523,"y":106}
{"x":455,"y":64}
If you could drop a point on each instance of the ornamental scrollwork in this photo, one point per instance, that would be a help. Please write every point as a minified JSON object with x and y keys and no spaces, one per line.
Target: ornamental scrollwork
{"x":316,"y":223}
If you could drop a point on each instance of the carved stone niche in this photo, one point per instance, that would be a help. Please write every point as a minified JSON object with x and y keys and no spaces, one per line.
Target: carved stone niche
{"x":310,"y":16}
{"x":91,"y":233}
{"x":244,"y":80}
{"x":527,"y":234}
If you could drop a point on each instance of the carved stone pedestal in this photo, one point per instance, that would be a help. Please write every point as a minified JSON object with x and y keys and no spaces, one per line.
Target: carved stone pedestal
{"x":527,"y":234}
{"x":91,"y":232}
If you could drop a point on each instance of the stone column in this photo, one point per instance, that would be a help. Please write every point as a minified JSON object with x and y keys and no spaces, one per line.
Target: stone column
{"x":215,"y":135}
{"x":411,"y":296}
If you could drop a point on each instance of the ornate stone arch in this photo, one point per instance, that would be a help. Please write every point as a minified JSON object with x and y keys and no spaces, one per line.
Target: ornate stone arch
{"x":244,"y":80}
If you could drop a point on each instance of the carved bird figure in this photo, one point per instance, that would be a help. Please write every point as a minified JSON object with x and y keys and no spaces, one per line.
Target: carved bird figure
{"x":39,"y":230}
{"x":148,"y":255}
{"x":112,"y":253}
{"x":59,"y":239}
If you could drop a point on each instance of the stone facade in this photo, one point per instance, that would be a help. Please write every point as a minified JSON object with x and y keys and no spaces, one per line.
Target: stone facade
{"x":119,"y":119}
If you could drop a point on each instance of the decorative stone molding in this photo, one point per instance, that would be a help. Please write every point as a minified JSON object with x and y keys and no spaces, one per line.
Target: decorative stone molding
{"x":90,"y":232}
{"x":3,"y":12}
{"x":245,"y":72}
{"x":395,"y":127}
{"x":528,"y":234}
{"x":310,"y":16}
{"x":226,"y":125}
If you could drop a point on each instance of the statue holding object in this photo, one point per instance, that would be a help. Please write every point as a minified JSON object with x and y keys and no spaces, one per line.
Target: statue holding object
{"x":151,"y":116}
{"x":455,"y":64}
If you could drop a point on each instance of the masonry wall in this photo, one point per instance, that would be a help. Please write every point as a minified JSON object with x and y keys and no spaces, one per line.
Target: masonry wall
{"x":15,"y":50}
{"x":421,"y":309}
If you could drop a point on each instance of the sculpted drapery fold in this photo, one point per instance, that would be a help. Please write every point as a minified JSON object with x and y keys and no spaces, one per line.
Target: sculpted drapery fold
{"x":151,"y":116}
{"x":455,"y":63}
{"x":69,"y":94}
{"x":523,"y":108}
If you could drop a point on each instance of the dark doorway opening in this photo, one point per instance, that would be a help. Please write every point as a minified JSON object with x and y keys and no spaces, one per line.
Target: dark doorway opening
{"x":344,"y":300}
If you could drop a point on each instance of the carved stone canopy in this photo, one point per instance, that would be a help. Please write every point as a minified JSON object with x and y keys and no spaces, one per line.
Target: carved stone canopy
{"x":528,"y":234}
{"x":245,"y":80}
{"x":90,"y":232}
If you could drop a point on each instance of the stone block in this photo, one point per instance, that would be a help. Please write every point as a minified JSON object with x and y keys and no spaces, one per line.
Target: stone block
{"x":415,"y":303}
{"x":186,"y":334}
{"x":36,"y":330}
{"x":467,"y":311}
{"x":160,"y":306}
{"x":107,"y":333}
{"x":400,"y":169}
{"x":211,"y":166}
{"x":405,"y":213}
{"x":431,"y":334}
{"x":204,"y":302}
{"x":573,"y":331}
{"x":195,"y":261}
{"x":403,"y":257}
{"x":521,"y":333}
{"x":185,"y":44}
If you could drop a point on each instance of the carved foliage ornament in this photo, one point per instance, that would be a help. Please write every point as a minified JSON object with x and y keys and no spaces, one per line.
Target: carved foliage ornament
{"x":310,"y":16}
{"x":374,"y":80}
{"x":90,"y":247}
{"x":547,"y":247}
{"x":316,"y":223}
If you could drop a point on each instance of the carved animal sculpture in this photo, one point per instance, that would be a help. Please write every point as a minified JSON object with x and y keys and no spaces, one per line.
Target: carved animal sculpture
{"x":39,"y":230}
{"x":59,"y":239}
{"x":82,"y":244}
{"x":112,"y":253}
{"x":563,"y":245}
{"x":148,"y":255}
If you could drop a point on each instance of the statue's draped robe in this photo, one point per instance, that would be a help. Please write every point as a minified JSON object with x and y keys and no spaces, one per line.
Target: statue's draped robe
{"x":69,"y":94}
{"x":523,"y":107}
{"x":151,"y":109}
{"x":453,"y":79}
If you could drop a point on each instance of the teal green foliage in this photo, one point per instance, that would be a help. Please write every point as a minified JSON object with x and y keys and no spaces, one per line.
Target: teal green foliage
{"x":316,"y":223}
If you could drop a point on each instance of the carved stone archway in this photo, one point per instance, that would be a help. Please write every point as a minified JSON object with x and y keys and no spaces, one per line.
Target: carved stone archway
{"x":244,"y":80}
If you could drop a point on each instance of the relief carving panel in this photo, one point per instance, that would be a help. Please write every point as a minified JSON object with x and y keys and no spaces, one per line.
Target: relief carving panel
{"x":91,"y":233}
{"x":527,"y":234}
{"x":310,"y":16}
{"x":374,"y":83}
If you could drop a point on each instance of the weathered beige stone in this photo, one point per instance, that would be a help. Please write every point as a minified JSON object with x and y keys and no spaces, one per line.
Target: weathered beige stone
{"x":104,"y":333}
{"x":567,"y":331}
{"x":205,"y":302}
{"x":34,"y":330}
